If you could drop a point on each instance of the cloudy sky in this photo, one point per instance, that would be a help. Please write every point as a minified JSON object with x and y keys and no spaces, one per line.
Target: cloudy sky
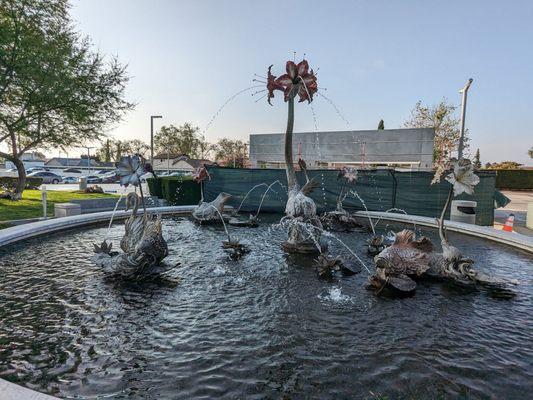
{"x":375,"y":58}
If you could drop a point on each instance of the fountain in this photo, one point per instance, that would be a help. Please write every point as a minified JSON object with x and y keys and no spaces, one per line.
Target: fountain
{"x":241,"y":327}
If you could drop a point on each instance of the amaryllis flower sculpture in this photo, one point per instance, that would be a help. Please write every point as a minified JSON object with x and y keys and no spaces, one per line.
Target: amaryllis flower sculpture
{"x":350,"y":174}
{"x":130,"y":169}
{"x":200,"y":174}
{"x":299,"y":80}
{"x":462,"y":178}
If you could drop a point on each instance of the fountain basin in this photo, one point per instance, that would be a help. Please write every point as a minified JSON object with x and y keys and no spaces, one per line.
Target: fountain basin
{"x":261,"y":326}
{"x":511,"y":239}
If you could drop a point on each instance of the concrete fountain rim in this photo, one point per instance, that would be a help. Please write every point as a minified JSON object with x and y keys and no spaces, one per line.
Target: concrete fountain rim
{"x":21,"y":232}
{"x":34,"y":229}
{"x":512,"y":239}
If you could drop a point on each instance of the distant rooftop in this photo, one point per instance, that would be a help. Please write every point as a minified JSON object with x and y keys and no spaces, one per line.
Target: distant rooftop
{"x":72,"y":162}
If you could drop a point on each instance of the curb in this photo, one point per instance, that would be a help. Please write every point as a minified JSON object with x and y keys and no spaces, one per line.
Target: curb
{"x":513,"y":239}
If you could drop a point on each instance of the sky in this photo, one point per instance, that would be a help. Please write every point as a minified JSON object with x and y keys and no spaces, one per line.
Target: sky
{"x":376,"y":59}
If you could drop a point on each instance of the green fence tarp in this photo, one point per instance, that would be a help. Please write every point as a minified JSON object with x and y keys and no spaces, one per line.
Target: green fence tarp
{"x":380,"y":189}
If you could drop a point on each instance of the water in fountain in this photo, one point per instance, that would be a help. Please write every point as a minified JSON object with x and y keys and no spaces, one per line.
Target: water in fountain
{"x":331,"y":235}
{"x":317,"y":145}
{"x":287,"y":222}
{"x":266,"y":191}
{"x":247,"y":194}
{"x":217,"y":113}
{"x":335,"y":108}
{"x":223,"y":222}
{"x":334,"y":294}
{"x":114,"y":212}
{"x":398,"y":210}
{"x":356,"y":195}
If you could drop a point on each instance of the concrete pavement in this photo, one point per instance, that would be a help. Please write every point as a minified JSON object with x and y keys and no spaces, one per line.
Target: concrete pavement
{"x":518,"y":207}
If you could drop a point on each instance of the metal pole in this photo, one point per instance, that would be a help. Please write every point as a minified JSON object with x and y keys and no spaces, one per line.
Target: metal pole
{"x":463,"y":114}
{"x":152,"y":137}
{"x":43,"y":198}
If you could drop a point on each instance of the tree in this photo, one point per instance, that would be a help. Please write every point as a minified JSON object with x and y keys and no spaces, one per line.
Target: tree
{"x":230,"y":152}
{"x":503,"y":165}
{"x":55,"y":91}
{"x":114,"y":150}
{"x":530,"y":152}
{"x":104,"y":153}
{"x":447,"y":128}
{"x":477,"y":160}
{"x":381,"y":125}
{"x":137,"y":146}
{"x":183,"y":139}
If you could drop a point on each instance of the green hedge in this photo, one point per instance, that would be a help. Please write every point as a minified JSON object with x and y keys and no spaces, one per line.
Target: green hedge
{"x":9,"y":183}
{"x":176,"y":190}
{"x":154,"y":186}
{"x":514,"y":179}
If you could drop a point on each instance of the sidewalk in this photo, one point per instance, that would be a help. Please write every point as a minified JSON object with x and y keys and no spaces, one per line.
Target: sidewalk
{"x":518,"y":207}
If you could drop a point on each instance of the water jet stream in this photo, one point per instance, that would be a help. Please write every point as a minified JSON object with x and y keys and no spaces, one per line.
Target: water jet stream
{"x":246,"y":196}
{"x":264,"y":194}
{"x":215,"y":115}
{"x":113,"y":213}
{"x":356,"y":195}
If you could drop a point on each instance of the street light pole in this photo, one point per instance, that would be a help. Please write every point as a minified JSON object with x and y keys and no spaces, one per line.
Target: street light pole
{"x":152,"y":137}
{"x":89,"y":157}
{"x":463,"y":114}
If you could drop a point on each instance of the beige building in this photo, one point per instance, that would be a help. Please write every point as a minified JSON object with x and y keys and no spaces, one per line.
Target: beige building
{"x":178,"y":162}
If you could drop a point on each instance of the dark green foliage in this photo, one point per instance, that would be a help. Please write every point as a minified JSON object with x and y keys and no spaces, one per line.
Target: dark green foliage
{"x":154,"y":187}
{"x":381,"y":125}
{"x":9,"y":183}
{"x":477,"y":160}
{"x":514,"y":179}
{"x":177,"y":190}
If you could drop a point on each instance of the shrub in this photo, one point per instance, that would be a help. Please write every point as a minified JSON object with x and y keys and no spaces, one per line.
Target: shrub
{"x":154,"y":187}
{"x":9,"y":183}
{"x":180,"y":190}
{"x":514,"y":179}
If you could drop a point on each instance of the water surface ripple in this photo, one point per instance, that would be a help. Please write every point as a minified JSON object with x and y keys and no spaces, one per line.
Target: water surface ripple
{"x":261,"y":327}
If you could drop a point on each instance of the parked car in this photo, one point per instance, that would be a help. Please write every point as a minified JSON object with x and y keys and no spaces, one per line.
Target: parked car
{"x":71,"y":179}
{"x":93,"y":179}
{"x":35,"y":169}
{"x":72,"y":171}
{"x":110,"y":178}
{"x":47,"y":176}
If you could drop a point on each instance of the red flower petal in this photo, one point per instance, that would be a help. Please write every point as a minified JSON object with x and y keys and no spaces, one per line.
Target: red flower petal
{"x":303,"y":94}
{"x":303,"y":68}
{"x":292,"y":69}
{"x":284,"y":80}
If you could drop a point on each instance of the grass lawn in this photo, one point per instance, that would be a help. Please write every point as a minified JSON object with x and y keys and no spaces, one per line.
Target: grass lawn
{"x":31,"y":207}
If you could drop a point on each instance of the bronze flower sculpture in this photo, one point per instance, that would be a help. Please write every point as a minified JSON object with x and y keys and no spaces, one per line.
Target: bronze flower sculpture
{"x":408,"y":258}
{"x":340,"y":220}
{"x":304,"y":226}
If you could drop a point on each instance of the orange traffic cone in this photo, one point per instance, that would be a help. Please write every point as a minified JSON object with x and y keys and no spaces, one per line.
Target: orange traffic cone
{"x":509,"y":223}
